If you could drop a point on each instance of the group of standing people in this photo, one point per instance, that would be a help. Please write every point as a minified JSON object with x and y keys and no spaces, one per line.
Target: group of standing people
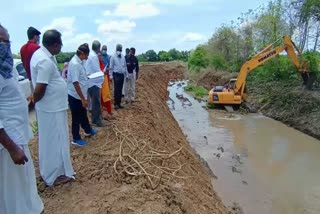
{"x":52,"y":95}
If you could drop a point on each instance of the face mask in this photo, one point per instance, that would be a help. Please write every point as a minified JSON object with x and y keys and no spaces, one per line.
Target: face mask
{"x":104,"y":52}
{"x":6,"y":60}
{"x":118,"y":53}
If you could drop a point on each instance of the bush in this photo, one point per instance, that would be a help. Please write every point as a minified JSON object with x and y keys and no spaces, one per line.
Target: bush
{"x":218,"y":62}
{"x":198,"y":59}
{"x":314,"y":59}
{"x":198,"y":91}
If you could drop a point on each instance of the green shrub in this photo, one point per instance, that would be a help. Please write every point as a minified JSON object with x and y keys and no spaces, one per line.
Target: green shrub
{"x":198,"y":91}
{"x":198,"y":59}
{"x":218,"y":62}
{"x":314,"y":59}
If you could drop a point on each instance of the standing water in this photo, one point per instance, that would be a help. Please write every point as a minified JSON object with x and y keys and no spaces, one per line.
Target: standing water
{"x":262,"y":165}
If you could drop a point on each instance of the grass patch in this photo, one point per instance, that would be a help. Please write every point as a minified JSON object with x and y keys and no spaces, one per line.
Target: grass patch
{"x":197,"y":91}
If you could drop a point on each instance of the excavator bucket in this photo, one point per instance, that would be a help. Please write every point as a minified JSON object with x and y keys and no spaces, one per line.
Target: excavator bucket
{"x":229,"y":108}
{"x":308,"y":79}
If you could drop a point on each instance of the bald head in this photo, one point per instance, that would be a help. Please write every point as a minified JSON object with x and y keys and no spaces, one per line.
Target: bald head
{"x":96,"y":45}
{"x":51,"y":37}
{"x":52,"y":41}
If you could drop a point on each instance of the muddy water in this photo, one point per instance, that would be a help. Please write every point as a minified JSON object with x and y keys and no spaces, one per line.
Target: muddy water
{"x":262,"y":165}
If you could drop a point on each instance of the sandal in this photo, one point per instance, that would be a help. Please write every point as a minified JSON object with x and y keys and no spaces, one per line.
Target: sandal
{"x":62,"y":180}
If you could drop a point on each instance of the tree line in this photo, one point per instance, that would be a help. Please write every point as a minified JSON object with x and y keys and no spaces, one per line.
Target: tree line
{"x":148,"y":56}
{"x":233,"y":44}
{"x":163,"y":56}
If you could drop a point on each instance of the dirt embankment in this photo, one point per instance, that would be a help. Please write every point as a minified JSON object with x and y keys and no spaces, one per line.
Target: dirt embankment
{"x":288,"y":103}
{"x":140,"y":163}
{"x":292,"y":105}
{"x":208,"y":78}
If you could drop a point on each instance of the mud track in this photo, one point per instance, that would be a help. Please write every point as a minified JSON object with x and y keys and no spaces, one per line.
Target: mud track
{"x":140,"y":163}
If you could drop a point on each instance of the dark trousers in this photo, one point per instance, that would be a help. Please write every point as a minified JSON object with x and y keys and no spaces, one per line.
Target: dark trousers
{"x":118,"y":80}
{"x":79,"y":117}
{"x":94,"y":93}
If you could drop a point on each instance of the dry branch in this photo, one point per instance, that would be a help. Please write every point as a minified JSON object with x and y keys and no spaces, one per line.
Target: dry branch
{"x":139,"y":158}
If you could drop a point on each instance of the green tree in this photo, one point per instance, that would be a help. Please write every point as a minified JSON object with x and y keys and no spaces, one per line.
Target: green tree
{"x":164,"y":56}
{"x":151,"y":56}
{"x":184,"y":55}
{"x":198,"y":59}
{"x":174,"y":54}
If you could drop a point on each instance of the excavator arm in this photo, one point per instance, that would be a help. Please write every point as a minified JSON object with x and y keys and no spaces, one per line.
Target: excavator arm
{"x":267,"y":54}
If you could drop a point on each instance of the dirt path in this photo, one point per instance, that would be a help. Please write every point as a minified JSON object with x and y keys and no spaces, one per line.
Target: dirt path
{"x":140,"y":163}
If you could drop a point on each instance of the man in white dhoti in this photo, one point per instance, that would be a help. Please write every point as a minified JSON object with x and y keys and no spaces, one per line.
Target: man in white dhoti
{"x":18,"y":188}
{"x":51,"y":99}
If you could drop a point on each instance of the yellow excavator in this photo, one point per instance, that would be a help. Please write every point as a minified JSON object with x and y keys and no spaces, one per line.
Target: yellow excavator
{"x":234,"y":93}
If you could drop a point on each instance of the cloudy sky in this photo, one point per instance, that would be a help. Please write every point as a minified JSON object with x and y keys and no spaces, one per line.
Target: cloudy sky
{"x":153,"y":24}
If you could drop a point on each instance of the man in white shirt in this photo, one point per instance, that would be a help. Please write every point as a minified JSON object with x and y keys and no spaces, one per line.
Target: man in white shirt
{"x":18,"y":188}
{"x":118,"y":72}
{"x":94,"y":88}
{"x":77,"y":95}
{"x":51,"y":99}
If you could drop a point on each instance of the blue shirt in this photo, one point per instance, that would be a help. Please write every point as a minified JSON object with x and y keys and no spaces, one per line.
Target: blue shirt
{"x":106,"y":60}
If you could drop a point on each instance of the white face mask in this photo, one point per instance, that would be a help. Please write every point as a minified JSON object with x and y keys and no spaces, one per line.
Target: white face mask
{"x":118,"y":53}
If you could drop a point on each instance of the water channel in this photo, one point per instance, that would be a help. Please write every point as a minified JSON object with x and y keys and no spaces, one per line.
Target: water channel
{"x":260,"y":164}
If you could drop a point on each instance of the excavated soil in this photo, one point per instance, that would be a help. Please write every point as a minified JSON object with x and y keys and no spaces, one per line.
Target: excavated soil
{"x":140,"y":163}
{"x":209,"y":78}
{"x":288,"y":103}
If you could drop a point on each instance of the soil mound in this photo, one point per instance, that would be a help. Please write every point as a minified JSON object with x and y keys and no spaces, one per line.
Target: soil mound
{"x":140,"y":163}
{"x":210,"y":78}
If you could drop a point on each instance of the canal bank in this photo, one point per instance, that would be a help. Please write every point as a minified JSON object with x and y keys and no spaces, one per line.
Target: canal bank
{"x":260,"y":164}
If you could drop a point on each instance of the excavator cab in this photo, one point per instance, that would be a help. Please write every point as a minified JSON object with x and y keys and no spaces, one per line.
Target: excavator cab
{"x":232,"y":82}
{"x":224,"y":94}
